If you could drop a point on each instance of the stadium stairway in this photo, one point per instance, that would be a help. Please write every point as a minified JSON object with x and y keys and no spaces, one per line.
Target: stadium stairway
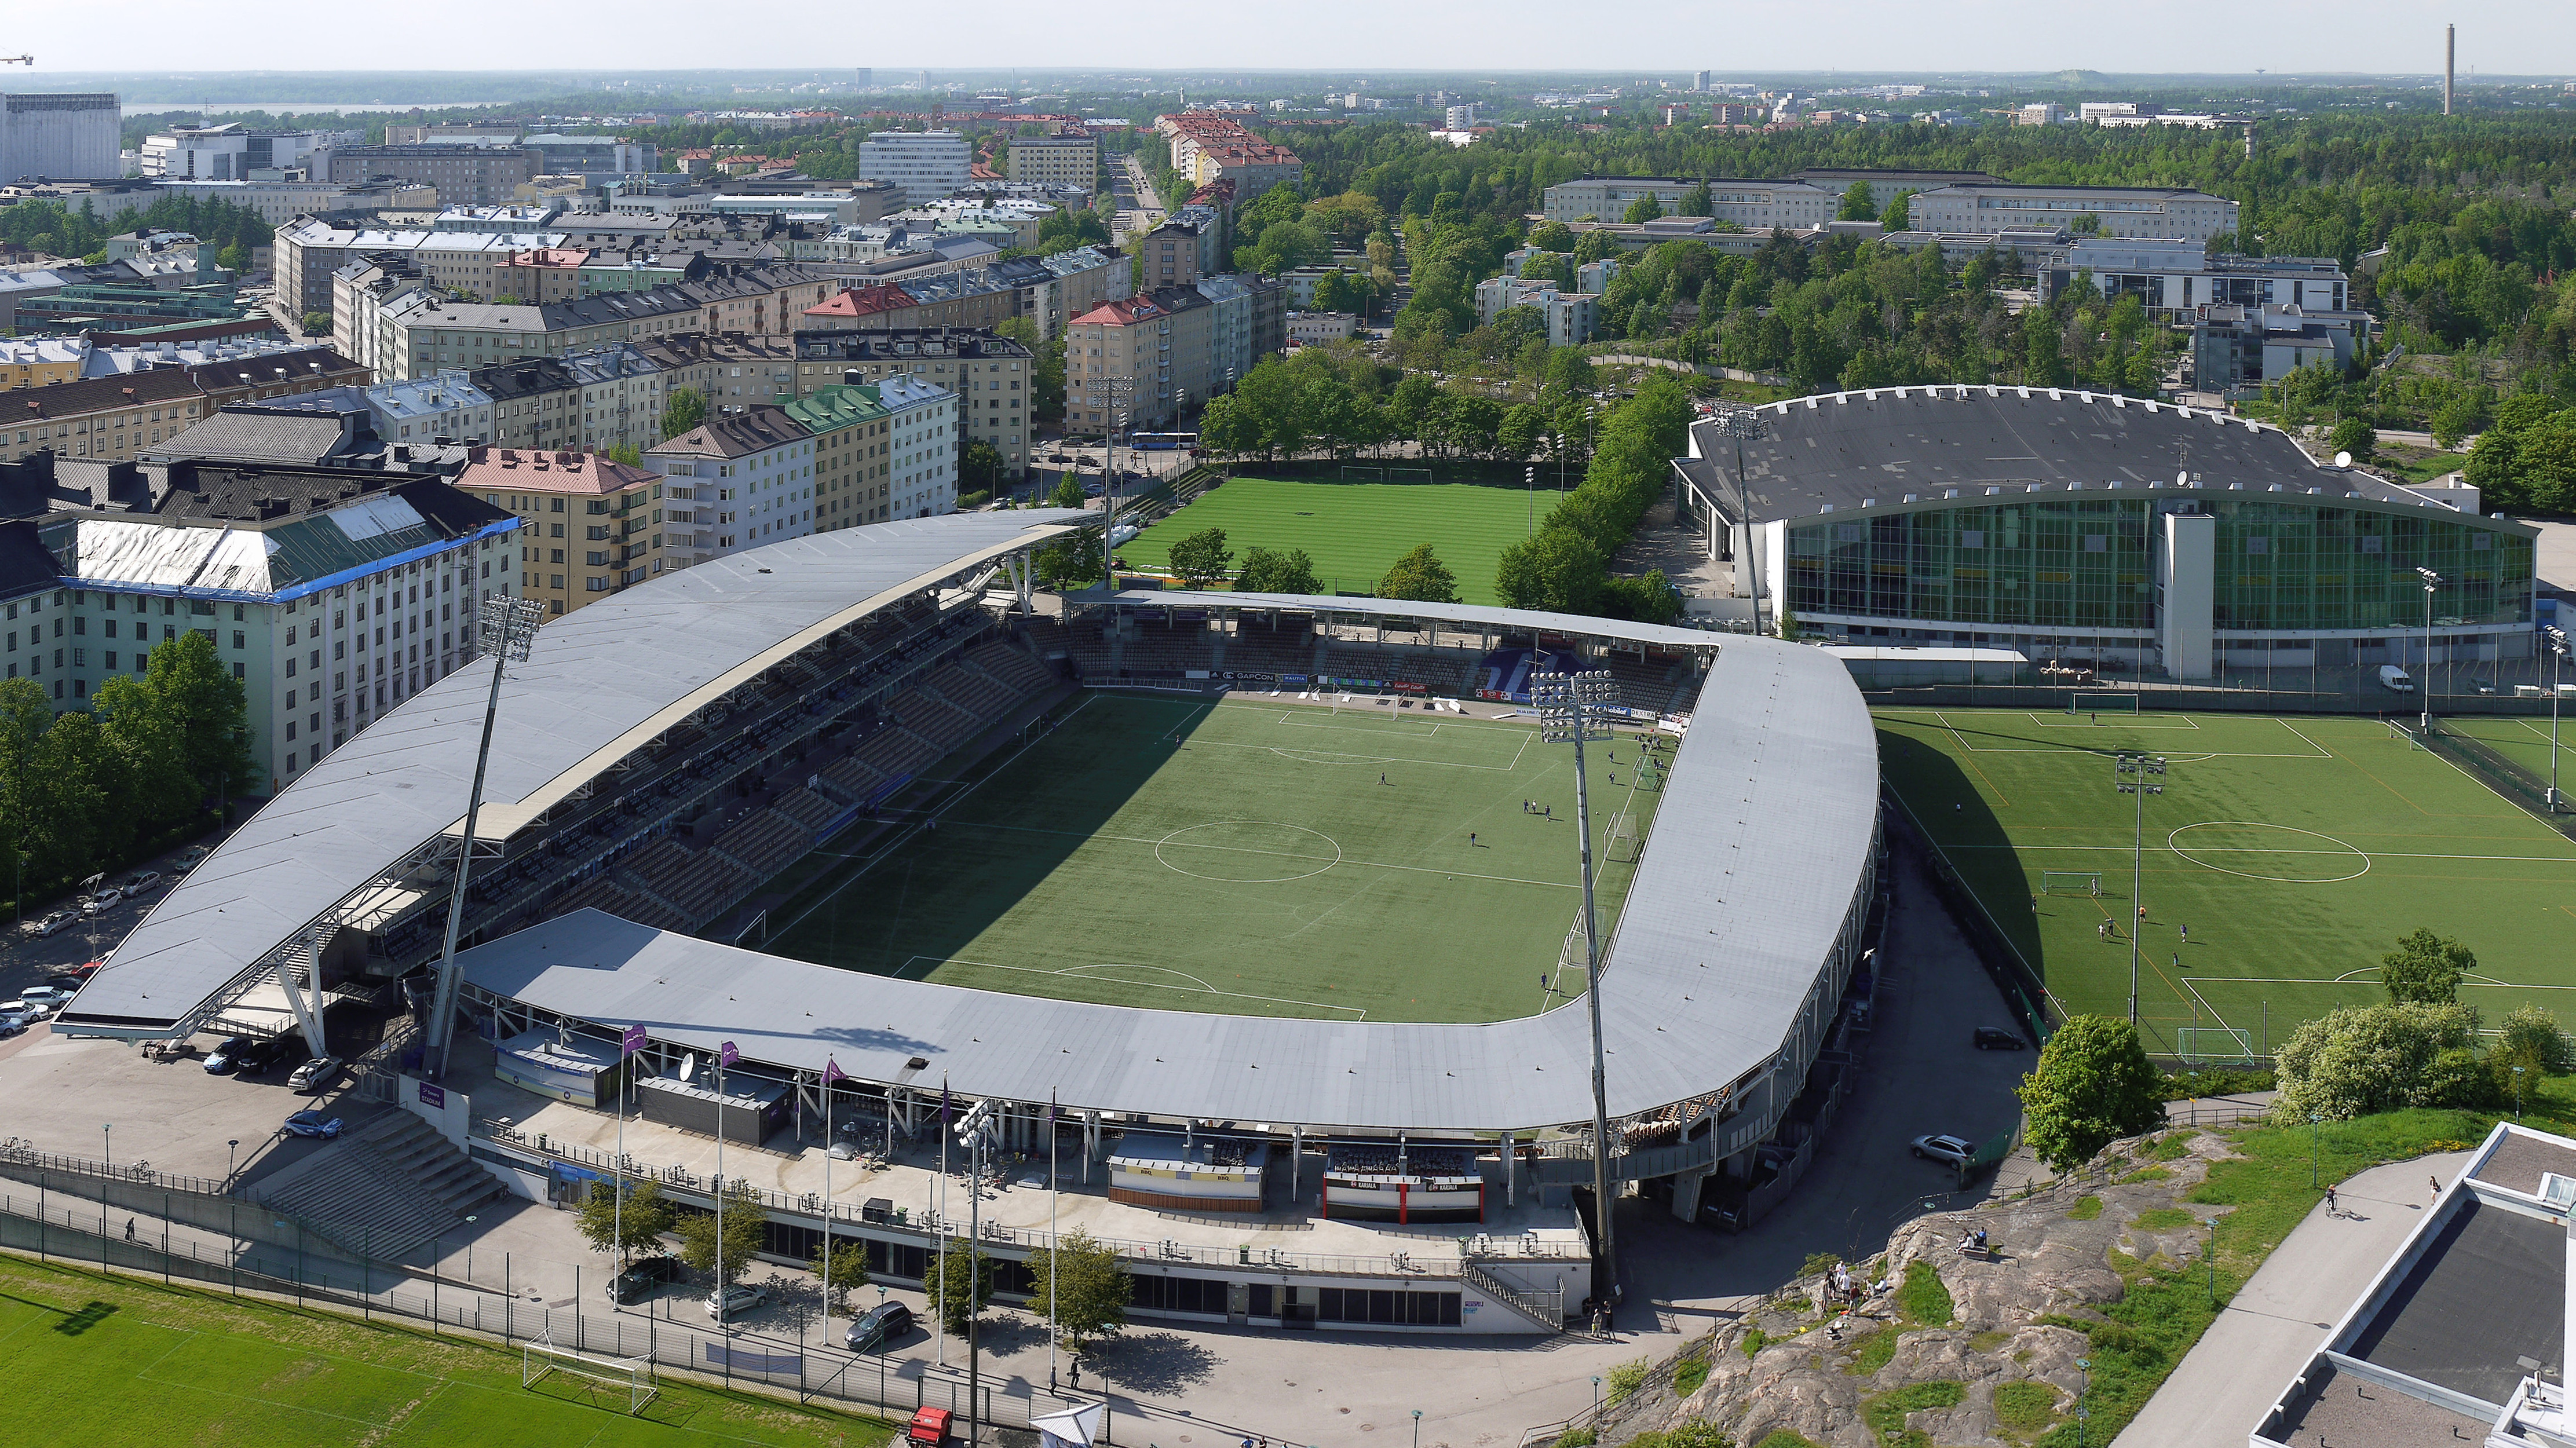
{"x":384,"y":1189}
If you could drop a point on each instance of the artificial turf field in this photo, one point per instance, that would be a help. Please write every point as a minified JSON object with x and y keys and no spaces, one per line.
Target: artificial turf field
{"x":1245,"y":858}
{"x":2295,"y":850}
{"x":1355,"y":530}
{"x":108,"y":1360}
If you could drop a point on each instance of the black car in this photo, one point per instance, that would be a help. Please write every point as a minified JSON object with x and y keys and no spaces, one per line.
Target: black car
{"x":272,"y":1053}
{"x":229,"y":1056}
{"x":878,"y":1326}
{"x":1996,"y":1038}
{"x":640,"y":1278}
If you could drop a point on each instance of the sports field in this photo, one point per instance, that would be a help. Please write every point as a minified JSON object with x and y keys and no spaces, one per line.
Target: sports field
{"x":107,"y":1360}
{"x":1291,"y":859}
{"x":1354,"y":530}
{"x":2292,"y":851}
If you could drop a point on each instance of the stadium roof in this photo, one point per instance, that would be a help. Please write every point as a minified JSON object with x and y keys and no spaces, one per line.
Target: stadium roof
{"x":1889,"y":446}
{"x":1730,"y":922}
{"x":604,"y":682}
{"x":1465,"y":615}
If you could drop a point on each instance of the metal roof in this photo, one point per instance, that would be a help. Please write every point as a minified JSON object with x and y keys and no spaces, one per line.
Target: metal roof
{"x":1730,"y":924}
{"x":1466,"y":615}
{"x":603,"y":681}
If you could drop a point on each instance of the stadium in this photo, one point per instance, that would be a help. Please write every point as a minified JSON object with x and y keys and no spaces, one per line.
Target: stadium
{"x":1257,"y":899}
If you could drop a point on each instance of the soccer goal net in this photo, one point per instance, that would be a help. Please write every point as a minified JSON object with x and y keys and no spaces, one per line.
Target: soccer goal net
{"x":1356,"y":470}
{"x":2088,"y":703}
{"x":1418,"y":475}
{"x":2397,"y":730}
{"x":2070,"y":882}
{"x":1623,"y":838}
{"x":602,"y":1379}
{"x":2214,"y":1046}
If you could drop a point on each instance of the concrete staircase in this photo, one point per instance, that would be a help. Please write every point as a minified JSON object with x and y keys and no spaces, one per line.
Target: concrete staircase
{"x":384,"y":1189}
{"x":1549,"y":1315}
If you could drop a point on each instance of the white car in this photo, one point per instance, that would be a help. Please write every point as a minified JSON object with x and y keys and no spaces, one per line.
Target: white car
{"x":51,"y":997}
{"x":28,"y":1009}
{"x":1952,"y":1150}
{"x":99,"y":903}
{"x":315,"y":1074}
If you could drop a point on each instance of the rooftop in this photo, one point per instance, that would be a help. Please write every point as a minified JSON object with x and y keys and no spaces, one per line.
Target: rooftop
{"x":549,"y":472}
{"x":756,"y":428}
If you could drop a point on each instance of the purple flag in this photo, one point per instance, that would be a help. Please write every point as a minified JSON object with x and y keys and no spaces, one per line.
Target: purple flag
{"x":726,"y":1055}
{"x":632,"y":1041}
{"x":832,"y":1071}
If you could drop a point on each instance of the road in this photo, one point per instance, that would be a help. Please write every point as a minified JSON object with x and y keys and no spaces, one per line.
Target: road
{"x":26,"y":960}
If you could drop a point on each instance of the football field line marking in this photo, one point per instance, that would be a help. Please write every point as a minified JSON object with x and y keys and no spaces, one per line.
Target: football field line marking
{"x":2360,"y":978}
{"x":2041,"y":720}
{"x":2260,"y":850}
{"x":1199,"y":987}
{"x":1286,"y":854}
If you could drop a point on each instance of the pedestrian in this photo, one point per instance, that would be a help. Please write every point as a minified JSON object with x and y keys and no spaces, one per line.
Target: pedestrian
{"x":2142,"y":912}
{"x":1075,"y":1366}
{"x":2186,"y":933}
{"x":129,"y":1229}
{"x":2177,"y":960}
{"x":1958,"y":808}
{"x":1381,"y":778}
{"x":1471,"y":839}
{"x":2437,"y":1188}
{"x":2332,"y":1210}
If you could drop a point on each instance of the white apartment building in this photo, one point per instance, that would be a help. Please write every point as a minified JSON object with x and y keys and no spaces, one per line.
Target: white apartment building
{"x":2175,"y":212}
{"x":926,"y":165}
{"x":1753,"y":205}
{"x":1056,"y":160}
{"x":743,"y":478}
{"x":922,"y":482}
{"x":1571,"y":317}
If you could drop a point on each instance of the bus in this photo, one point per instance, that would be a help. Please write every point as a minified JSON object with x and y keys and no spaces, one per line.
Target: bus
{"x":1165,"y":441}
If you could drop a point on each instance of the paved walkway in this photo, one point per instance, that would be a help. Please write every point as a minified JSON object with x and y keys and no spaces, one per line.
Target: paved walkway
{"x":2279,"y":1320}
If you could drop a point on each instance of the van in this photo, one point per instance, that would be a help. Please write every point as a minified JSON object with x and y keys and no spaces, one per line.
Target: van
{"x":2394,"y":680}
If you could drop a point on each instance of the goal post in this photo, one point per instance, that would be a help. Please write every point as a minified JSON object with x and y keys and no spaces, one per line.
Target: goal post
{"x":2214,"y":1046}
{"x":2086,"y":703}
{"x":597,"y":1375}
{"x":2397,"y":730}
{"x":2070,"y":882}
{"x":1623,"y":838}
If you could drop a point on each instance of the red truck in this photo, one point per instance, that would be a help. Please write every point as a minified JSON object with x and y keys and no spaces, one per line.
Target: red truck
{"x":929,"y":1427}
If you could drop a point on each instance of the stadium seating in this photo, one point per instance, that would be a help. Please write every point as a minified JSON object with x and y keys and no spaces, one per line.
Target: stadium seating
{"x":696,"y":883}
{"x":807,"y":808}
{"x":764,"y":843}
{"x":1012,"y":666}
{"x":1285,"y":650}
{"x":853,"y":776}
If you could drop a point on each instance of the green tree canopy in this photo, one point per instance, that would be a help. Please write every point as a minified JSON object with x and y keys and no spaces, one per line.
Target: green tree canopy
{"x":1857,"y":204}
{"x":1202,"y":557}
{"x":2426,"y":968}
{"x":1694,"y":202}
{"x":847,"y":1269}
{"x":1558,"y":570}
{"x":1267,"y":571}
{"x":624,"y":1229}
{"x":745,"y":1234}
{"x":1899,"y":215}
{"x":960,"y":1285}
{"x":2354,"y":435}
{"x":1421,"y":577}
{"x":1082,"y":1287}
{"x":1644,"y":208}
{"x":2358,"y":1060}
{"x":2093,"y":1086}
{"x":686,"y":409}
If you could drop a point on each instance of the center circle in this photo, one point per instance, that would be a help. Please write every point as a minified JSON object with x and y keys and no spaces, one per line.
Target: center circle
{"x":2308,"y":859}
{"x":1247,"y":852}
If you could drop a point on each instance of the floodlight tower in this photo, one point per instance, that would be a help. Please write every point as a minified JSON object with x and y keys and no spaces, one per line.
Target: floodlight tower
{"x":1572,"y":709}
{"x":2141,"y":775}
{"x":505,"y":628}
{"x":2556,"y":639}
{"x":2424,"y":686}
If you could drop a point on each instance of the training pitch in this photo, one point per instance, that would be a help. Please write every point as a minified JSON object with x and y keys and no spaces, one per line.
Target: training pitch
{"x":2294,"y":851}
{"x":1247,"y":857}
{"x":1355,"y":530}
{"x":108,"y":1360}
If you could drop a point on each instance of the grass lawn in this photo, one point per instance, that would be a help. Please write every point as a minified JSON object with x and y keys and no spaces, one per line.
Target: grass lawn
{"x":1355,"y":530}
{"x":2295,"y":850}
{"x":98,"y":1358}
{"x":1251,"y":859}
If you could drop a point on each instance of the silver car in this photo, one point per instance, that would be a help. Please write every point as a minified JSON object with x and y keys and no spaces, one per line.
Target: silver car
{"x":1951,"y":1150}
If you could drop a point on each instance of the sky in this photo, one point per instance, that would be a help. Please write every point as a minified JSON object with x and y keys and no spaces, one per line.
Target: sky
{"x":2523,"y":37}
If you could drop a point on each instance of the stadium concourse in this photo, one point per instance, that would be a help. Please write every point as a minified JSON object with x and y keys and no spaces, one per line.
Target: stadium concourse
{"x":723,"y":723}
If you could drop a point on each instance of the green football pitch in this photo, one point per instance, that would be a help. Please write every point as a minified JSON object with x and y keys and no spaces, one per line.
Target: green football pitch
{"x":2293,"y":851}
{"x":101,"y":1360}
{"x":1340,"y":861}
{"x":1355,"y":530}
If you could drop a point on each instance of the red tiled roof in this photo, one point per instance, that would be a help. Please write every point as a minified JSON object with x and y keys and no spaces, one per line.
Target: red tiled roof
{"x":548,"y":472}
{"x":864,"y":301}
{"x":1120,"y":313}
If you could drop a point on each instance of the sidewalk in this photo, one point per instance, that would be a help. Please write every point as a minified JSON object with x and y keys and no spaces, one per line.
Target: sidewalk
{"x":2279,"y":1320}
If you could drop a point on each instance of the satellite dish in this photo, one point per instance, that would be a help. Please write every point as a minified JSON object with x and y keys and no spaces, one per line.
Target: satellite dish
{"x":2343,"y":460}
{"x":2183,"y":479}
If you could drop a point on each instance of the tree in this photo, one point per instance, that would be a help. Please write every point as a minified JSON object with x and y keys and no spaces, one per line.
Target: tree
{"x":686,"y":409}
{"x":961,"y":1266}
{"x":746,"y":1232}
{"x":1522,"y":428}
{"x":1899,"y":216}
{"x":1694,"y":202}
{"x":1857,"y":203}
{"x":1644,"y":208}
{"x":1419,"y":577}
{"x":2357,"y":1060}
{"x":980,"y":470}
{"x":1558,"y":570}
{"x":315,"y":324}
{"x":1266,"y":571}
{"x":2354,"y":435}
{"x":626,"y":452}
{"x":1068,"y":493}
{"x":847,"y":1269}
{"x":1081,"y":1287}
{"x":2529,"y":1036}
{"x":1552,"y":236}
{"x":2093,"y":1086}
{"x":209,"y":710}
{"x":1066,"y":563}
{"x":2425,"y":968}
{"x":1202,"y":557}
{"x":636,"y":1227}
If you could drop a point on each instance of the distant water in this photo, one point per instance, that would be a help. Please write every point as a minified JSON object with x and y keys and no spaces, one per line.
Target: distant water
{"x":133,"y":108}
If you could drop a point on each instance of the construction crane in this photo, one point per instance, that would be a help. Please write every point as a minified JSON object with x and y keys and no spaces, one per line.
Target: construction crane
{"x":17,"y":60}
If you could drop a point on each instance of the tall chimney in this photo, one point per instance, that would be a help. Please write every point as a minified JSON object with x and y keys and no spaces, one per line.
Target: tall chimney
{"x":2450,"y":52}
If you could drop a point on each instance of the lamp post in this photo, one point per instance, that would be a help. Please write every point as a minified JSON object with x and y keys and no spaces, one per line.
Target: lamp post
{"x":2517,"y":1095}
{"x":1417,"y":1428}
{"x":505,"y":627}
{"x":107,"y":1143}
{"x":2432,"y":581}
{"x":232,"y":1160}
{"x":1596,"y":1399}
{"x":2085,"y":1366}
{"x":2139,"y":775}
{"x":2316,"y":1126}
{"x":2556,"y":638}
{"x":1572,"y":710}
{"x":469,"y":1249}
{"x":2209,"y":1255}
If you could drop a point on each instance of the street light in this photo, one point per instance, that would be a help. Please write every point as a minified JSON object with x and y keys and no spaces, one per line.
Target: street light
{"x":232,"y":1160}
{"x":2432,"y":581}
{"x":2209,"y":1254}
{"x":107,"y":1144}
{"x":2139,"y":775}
{"x":2517,"y":1095}
{"x":1417,"y":1428}
{"x":2316,"y":1126}
{"x":2556,"y":638}
{"x":2085,"y":1366}
{"x":469,"y":1249}
{"x":1574,"y":708}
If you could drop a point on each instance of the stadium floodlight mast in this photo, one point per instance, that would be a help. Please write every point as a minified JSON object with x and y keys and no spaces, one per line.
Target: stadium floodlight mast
{"x":1573,"y":708}
{"x":505,"y":628}
{"x":2140,"y":775}
{"x":2424,"y":686}
{"x":2556,"y":639}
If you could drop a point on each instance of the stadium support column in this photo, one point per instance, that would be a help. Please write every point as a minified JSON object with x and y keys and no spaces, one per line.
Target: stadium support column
{"x":505,"y":628}
{"x":1570,"y":711}
{"x":2186,"y":602}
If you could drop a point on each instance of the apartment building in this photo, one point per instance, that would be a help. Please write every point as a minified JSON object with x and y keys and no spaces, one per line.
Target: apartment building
{"x":743,"y":478}
{"x":1180,"y":251}
{"x":971,"y":298}
{"x":994,"y":377}
{"x":1314,"y":329}
{"x":1208,"y":147}
{"x":410,"y":330}
{"x":1572,"y":316}
{"x":853,"y":447}
{"x":541,"y":274}
{"x":464,"y":175}
{"x":1786,"y":205}
{"x":446,"y":409}
{"x":727,"y":369}
{"x":472,"y":264}
{"x":122,"y":415}
{"x":2176,"y":212}
{"x":921,"y":445}
{"x":589,"y":526}
{"x":1117,"y":365}
{"x":592,"y":400}
{"x":593,"y":157}
{"x":925,"y":165}
{"x":332,"y":594}
{"x":1061,"y":160}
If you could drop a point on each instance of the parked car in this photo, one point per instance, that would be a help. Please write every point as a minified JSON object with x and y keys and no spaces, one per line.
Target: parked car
{"x":143,"y":880}
{"x":13,"y":1022}
{"x":74,"y":977}
{"x":32,"y":1010}
{"x":736,"y":1300}
{"x":643,"y":1275}
{"x":273,"y":1052}
{"x":54,"y":923}
{"x":189,"y":858}
{"x":315,"y":1074}
{"x":1950,"y":1149}
{"x":100,"y":902}
{"x":2394,"y":680}
{"x":313,"y":1123}
{"x":226,"y":1057}
{"x":878,"y":1326}
{"x":1996,"y":1038}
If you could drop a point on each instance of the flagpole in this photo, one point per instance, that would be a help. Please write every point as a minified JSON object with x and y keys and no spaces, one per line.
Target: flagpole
{"x":827,"y":1198}
{"x":1055,"y":1247}
{"x":721,"y":1294}
{"x":939,"y":1304}
{"x":628,"y":1042}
